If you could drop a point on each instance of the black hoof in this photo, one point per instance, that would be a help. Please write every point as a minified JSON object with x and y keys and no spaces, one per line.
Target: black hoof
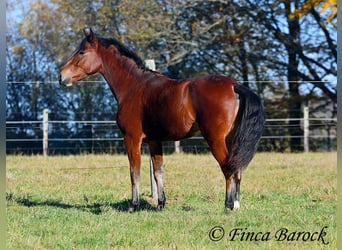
{"x":229,"y":204}
{"x":160,"y":208}
{"x":161,"y":204}
{"x":233,"y":205}
{"x":133,"y":208}
{"x":229,"y":207}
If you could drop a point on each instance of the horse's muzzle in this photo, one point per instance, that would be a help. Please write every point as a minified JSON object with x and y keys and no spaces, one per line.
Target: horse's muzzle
{"x":65,"y":82}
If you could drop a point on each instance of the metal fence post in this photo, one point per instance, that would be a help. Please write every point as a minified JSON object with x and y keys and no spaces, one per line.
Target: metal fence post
{"x":45,"y":132}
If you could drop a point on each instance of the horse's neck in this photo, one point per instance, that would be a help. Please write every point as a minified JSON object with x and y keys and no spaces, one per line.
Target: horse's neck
{"x":122,"y":76}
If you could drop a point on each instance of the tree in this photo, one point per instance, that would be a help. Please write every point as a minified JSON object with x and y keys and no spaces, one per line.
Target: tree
{"x":36,"y":48}
{"x":259,"y":43}
{"x":310,"y":60}
{"x":324,"y":6}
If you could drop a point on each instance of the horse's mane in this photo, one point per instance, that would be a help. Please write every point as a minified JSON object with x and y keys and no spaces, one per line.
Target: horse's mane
{"x":123,"y":49}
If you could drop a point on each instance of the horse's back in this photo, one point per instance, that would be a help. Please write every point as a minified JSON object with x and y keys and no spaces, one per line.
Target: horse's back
{"x":214,"y":84}
{"x":174,"y":109}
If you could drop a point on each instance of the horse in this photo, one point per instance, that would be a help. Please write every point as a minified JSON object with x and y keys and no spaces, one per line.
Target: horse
{"x":153,"y":108}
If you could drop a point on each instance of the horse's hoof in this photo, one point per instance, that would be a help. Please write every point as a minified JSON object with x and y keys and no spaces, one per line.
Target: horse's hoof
{"x":160,"y":208}
{"x":229,"y":206}
{"x":133,"y":208}
{"x":161,"y":204}
{"x":233,"y":206}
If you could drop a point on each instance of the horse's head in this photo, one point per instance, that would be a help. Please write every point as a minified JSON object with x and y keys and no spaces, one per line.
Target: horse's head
{"x":85,"y":60}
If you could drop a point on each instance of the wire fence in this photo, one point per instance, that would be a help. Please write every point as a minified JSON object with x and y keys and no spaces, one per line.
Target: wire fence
{"x":74,"y":137}
{"x":315,"y":131}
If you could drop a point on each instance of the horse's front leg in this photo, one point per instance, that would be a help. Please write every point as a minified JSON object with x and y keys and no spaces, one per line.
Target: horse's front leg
{"x":133,"y":150}
{"x":156,"y":152}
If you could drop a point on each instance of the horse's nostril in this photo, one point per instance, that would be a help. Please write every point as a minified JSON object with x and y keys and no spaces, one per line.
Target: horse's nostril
{"x":63,"y":82}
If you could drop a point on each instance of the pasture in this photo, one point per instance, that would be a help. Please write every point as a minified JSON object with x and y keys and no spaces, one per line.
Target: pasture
{"x":288,"y":201}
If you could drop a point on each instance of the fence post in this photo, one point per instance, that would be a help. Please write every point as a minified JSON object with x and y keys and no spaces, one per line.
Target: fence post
{"x":177,"y":146}
{"x":306,"y":129}
{"x":45,"y":132}
{"x":151,"y":65}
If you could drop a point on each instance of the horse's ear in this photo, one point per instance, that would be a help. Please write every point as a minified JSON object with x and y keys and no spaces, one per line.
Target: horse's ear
{"x":89,"y":34}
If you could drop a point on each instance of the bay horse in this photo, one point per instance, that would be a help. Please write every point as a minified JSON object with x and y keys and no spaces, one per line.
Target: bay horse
{"x":153,"y":108}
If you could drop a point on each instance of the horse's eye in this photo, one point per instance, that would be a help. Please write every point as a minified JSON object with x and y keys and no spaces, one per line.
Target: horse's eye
{"x":81,"y":52}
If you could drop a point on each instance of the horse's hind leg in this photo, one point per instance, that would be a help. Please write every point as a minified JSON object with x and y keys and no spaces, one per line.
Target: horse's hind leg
{"x":233,"y":191}
{"x":156,"y":152}
{"x":220,"y":152}
{"x":237,"y":178}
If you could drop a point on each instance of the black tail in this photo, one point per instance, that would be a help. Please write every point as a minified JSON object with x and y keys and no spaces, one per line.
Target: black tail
{"x":242,"y":141}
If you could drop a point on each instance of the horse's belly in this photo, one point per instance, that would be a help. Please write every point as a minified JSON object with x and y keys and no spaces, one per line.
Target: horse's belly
{"x":194,"y":130}
{"x":170,"y":131}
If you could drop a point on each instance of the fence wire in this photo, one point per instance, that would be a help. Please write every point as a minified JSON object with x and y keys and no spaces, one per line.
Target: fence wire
{"x":105,"y":136}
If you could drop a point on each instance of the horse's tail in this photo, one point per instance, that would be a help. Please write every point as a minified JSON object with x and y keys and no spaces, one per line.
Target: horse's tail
{"x":243,"y":139}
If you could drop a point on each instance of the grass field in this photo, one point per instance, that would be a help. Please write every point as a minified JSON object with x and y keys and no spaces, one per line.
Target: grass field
{"x":80,"y":202}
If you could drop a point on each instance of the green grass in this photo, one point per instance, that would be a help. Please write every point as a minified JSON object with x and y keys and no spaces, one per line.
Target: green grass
{"x":80,"y":202}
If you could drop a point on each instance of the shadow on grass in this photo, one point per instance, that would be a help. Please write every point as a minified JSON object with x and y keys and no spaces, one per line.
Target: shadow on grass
{"x":95,"y":208}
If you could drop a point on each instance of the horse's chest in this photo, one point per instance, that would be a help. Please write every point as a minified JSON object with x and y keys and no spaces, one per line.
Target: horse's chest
{"x":129,"y":119}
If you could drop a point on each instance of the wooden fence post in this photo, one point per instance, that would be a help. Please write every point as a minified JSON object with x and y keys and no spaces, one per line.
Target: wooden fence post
{"x":177,"y":146}
{"x":45,"y":132}
{"x":306,"y":129}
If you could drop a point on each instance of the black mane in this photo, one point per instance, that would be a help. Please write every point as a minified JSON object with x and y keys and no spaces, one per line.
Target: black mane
{"x":123,"y":49}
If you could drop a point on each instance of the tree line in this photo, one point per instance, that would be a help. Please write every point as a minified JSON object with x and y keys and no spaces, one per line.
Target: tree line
{"x":285,"y":50}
